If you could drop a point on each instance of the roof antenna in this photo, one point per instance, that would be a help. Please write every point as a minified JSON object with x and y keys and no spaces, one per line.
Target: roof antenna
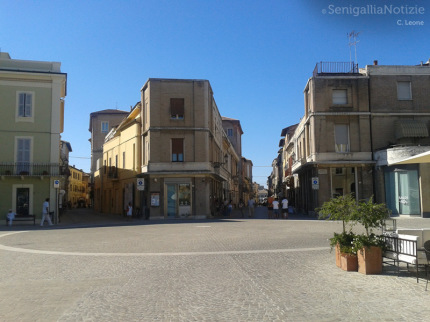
{"x":352,"y":41}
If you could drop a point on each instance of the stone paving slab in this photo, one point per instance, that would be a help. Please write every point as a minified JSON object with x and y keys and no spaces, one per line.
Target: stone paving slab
{"x":221,"y":270}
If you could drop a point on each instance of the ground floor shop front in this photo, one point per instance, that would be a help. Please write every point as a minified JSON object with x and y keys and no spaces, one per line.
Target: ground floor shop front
{"x":163,"y":196}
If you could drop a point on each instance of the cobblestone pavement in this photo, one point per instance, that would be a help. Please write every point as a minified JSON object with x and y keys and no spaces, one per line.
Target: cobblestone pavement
{"x":234,"y":269}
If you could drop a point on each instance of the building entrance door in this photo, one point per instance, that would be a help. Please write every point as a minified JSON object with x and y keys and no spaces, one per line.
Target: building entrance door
{"x":178,"y":200}
{"x":22,"y":201}
{"x":402,"y":191}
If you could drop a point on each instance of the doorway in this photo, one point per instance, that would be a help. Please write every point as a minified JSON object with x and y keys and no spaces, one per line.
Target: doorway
{"x":178,"y":200}
{"x":22,"y":201}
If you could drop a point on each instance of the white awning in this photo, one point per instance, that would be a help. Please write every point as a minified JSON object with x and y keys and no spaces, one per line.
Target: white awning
{"x":419,"y":158}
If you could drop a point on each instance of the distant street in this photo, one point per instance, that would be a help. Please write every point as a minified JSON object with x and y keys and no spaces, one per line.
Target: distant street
{"x":93,"y":268}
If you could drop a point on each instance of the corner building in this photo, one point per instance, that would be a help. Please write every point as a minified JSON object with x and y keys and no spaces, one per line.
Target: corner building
{"x":183,"y":164}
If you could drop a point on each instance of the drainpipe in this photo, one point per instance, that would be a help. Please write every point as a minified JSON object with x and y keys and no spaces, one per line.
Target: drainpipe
{"x":371,"y":139}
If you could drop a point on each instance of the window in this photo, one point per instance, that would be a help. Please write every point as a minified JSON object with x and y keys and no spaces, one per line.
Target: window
{"x":177,"y":108}
{"x":341,"y":138}
{"x":340,"y":97}
{"x":25,"y":106}
{"x":230,"y":132}
{"x":23,"y":155}
{"x":105,"y":127}
{"x":404,"y":91}
{"x":123,"y":160}
{"x":177,"y":150}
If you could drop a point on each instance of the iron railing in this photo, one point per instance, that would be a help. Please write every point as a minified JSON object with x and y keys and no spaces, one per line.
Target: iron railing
{"x":322,"y":68}
{"x":30,"y":169}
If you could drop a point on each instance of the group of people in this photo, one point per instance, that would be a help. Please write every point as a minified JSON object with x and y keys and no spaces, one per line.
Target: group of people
{"x":225,"y":208}
{"x":274,"y":208}
{"x":45,"y":214}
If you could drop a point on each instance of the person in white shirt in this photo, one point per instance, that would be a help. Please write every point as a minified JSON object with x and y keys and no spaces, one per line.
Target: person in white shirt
{"x":10,"y":217}
{"x":251,"y":208}
{"x":285,"y":208}
{"x":45,"y":213}
{"x":275,"y":204}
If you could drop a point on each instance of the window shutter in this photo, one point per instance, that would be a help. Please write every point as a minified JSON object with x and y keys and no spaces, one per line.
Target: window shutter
{"x":340,"y":97}
{"x":28,"y":105}
{"x":177,"y":150}
{"x":177,"y":107}
{"x":404,"y":90}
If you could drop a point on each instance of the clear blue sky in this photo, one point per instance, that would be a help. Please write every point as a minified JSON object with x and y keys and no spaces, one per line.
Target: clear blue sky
{"x":257,"y":55}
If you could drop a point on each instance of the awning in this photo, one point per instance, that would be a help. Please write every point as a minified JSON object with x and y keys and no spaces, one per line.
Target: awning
{"x":419,"y":158}
{"x":411,"y":129}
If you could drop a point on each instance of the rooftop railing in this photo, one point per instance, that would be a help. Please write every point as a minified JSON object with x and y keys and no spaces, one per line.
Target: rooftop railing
{"x":323,"y":68}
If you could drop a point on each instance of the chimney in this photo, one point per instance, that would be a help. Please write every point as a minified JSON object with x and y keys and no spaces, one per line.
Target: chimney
{"x":375,"y":62}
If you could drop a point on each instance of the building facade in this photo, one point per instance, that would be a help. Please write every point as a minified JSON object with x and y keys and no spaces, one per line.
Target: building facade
{"x":78,"y":189}
{"x":32,"y":101}
{"x":170,"y":157}
{"x":358,"y":125}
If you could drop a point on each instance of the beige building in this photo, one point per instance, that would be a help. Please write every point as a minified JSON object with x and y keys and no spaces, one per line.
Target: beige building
{"x":101,"y":123}
{"x":32,"y":103}
{"x":358,"y":125}
{"x":170,"y":157}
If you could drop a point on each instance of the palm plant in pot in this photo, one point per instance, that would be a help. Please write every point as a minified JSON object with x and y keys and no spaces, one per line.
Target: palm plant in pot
{"x":369,"y":246}
{"x":343,"y":208}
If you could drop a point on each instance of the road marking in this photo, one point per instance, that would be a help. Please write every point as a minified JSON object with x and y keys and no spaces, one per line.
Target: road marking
{"x":226,"y":252}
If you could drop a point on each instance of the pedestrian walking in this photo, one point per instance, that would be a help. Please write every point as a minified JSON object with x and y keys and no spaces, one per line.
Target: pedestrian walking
{"x":270,"y":207}
{"x":129,"y":211}
{"x":10,"y":217}
{"x":229,"y":208}
{"x":275,"y":204}
{"x":251,"y":210}
{"x":285,"y":208}
{"x":45,"y":213}
{"x":241,"y":206}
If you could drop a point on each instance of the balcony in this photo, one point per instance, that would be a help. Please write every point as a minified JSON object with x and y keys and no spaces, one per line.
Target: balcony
{"x":112,"y":172}
{"x":336,"y":68}
{"x":30,"y":169}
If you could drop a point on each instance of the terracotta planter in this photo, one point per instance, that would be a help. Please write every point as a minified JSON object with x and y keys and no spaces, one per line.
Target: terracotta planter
{"x":349,"y":262}
{"x":337,"y":253}
{"x":370,"y":260}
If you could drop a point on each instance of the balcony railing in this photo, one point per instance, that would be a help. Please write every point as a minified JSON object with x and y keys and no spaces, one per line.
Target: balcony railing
{"x":30,"y":169}
{"x":112,"y":172}
{"x":323,"y":68}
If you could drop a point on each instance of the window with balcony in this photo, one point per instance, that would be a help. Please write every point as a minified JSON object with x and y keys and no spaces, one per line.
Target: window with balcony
{"x":341,"y":138}
{"x":404,"y":91}
{"x":177,"y":108}
{"x":177,"y":150}
{"x":340,"y":97}
{"x":23,"y":155}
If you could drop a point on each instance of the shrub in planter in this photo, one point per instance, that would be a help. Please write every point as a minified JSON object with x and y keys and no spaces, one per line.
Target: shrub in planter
{"x":369,"y":246}
{"x":369,"y":253}
{"x":343,"y":208}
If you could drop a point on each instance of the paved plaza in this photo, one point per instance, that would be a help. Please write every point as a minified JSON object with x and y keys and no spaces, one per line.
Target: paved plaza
{"x":94,"y":268}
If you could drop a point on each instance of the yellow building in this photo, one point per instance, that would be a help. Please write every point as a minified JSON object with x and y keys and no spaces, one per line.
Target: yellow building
{"x":77,"y":194}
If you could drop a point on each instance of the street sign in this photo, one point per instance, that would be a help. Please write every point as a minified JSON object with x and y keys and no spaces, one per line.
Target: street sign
{"x":140,"y":184}
{"x":315,"y":183}
{"x":56,"y":184}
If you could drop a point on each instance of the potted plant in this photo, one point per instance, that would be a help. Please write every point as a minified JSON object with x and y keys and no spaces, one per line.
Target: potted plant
{"x":343,"y":208}
{"x":369,"y":246}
